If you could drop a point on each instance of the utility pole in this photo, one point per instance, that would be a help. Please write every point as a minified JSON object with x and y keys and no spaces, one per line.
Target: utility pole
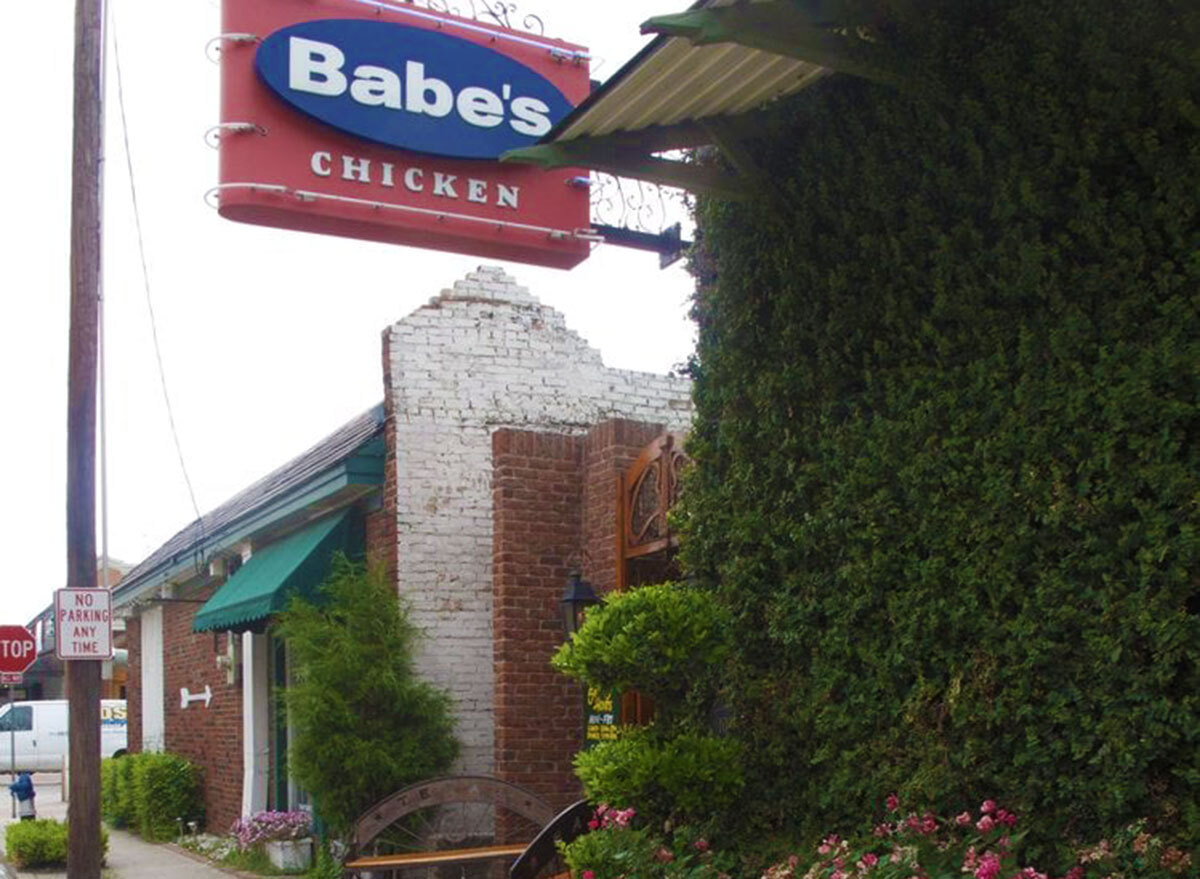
{"x":83,"y":678}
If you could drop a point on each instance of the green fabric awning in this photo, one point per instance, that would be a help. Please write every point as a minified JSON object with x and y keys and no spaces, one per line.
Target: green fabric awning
{"x":295,"y":565}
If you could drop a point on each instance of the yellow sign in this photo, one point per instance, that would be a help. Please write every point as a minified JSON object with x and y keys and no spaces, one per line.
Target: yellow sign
{"x":603,"y":716}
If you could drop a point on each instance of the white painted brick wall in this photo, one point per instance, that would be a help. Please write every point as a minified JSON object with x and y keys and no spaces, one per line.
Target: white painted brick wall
{"x":481,"y":356}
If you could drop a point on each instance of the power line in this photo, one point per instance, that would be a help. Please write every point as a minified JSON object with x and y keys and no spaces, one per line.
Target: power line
{"x":137,"y":221}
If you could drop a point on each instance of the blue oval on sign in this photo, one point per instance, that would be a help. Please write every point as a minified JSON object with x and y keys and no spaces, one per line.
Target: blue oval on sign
{"x":409,"y":88}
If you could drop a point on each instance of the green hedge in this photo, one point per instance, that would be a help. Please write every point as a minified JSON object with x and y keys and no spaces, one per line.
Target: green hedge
{"x":947,"y":442}
{"x":116,"y":791}
{"x":41,"y":843}
{"x":150,"y":794}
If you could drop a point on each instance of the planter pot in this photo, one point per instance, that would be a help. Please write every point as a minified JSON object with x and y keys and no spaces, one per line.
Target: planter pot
{"x":293,"y":855}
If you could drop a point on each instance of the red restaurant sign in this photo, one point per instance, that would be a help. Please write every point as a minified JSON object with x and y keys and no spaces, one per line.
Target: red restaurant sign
{"x":384,"y":121}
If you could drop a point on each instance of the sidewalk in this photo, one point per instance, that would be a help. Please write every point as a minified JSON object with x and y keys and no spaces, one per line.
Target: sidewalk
{"x":128,"y":856}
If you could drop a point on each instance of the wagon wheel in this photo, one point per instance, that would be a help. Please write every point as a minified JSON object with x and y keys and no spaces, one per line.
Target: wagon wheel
{"x":480,"y":824}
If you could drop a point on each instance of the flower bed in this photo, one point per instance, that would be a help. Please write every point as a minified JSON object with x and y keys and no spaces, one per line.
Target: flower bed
{"x":263,"y":827}
{"x":980,"y":844}
{"x":265,"y":843}
{"x":984,"y":845}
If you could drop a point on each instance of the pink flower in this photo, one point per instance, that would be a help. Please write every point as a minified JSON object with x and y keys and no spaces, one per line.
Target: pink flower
{"x":963,"y":819}
{"x":593,"y":824}
{"x":988,"y":806}
{"x":893,"y":803}
{"x":588,"y":874}
{"x":1009,"y":819}
{"x":928,"y":823}
{"x":882,"y":830}
{"x":664,"y":856}
{"x":985,"y":824}
{"x":700,"y":845}
{"x":969,"y":863}
{"x":868,"y":861}
{"x":989,"y":866}
{"x":828,"y":844}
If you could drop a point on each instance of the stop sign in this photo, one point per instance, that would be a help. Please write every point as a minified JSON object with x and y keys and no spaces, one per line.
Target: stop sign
{"x":18,"y":649}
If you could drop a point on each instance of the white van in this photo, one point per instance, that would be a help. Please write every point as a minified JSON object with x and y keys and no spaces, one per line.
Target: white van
{"x":33,"y":735}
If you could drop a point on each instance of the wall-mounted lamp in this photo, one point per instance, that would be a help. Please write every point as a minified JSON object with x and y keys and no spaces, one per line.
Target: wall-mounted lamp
{"x":577,"y":598}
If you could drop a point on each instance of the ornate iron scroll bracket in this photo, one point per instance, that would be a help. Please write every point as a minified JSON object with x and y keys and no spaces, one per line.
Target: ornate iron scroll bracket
{"x":641,"y":215}
{"x":498,"y":12}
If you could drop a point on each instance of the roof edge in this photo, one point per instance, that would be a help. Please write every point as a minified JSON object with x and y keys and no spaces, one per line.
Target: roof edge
{"x":250,"y":520}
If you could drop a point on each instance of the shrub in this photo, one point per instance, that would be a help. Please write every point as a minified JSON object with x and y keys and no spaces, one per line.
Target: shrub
{"x":150,"y":793}
{"x":366,"y":725}
{"x":610,"y":854}
{"x":118,"y":797}
{"x":666,"y":641}
{"x":41,"y":843}
{"x":325,"y":865}
{"x":657,"y":639}
{"x":615,"y":848}
{"x":167,"y":793}
{"x":124,"y":798}
{"x":108,"y":791}
{"x":689,"y":775}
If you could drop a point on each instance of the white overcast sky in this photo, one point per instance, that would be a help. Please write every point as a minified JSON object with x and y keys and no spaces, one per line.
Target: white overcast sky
{"x":270,"y":339}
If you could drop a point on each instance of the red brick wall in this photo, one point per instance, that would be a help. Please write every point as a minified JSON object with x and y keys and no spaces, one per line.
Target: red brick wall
{"x":537,"y":507}
{"x":381,"y":539}
{"x":611,"y":447}
{"x":209,"y":737}
{"x":133,"y":690}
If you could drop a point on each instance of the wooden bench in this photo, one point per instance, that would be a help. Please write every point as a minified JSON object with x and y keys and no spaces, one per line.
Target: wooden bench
{"x":492,"y":801}
{"x":435,"y":858}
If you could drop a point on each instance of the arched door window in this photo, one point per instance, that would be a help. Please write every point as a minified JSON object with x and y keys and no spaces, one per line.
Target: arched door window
{"x":646,"y":547}
{"x":648,"y":489}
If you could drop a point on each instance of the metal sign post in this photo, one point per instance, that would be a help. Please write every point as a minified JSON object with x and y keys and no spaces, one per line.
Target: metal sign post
{"x":18,"y":651}
{"x":12,"y":746}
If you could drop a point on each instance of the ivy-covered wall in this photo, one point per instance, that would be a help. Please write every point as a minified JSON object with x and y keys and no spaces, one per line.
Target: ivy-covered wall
{"x":948,"y":433}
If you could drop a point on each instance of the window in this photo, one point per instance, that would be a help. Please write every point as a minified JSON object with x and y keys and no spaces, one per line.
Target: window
{"x":19,"y":719}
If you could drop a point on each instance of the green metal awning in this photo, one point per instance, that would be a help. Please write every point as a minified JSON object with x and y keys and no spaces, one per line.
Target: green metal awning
{"x":708,"y":79}
{"x":295,"y":565}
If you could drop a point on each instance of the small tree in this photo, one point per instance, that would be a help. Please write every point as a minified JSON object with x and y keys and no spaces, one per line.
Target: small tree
{"x":365,"y":724}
